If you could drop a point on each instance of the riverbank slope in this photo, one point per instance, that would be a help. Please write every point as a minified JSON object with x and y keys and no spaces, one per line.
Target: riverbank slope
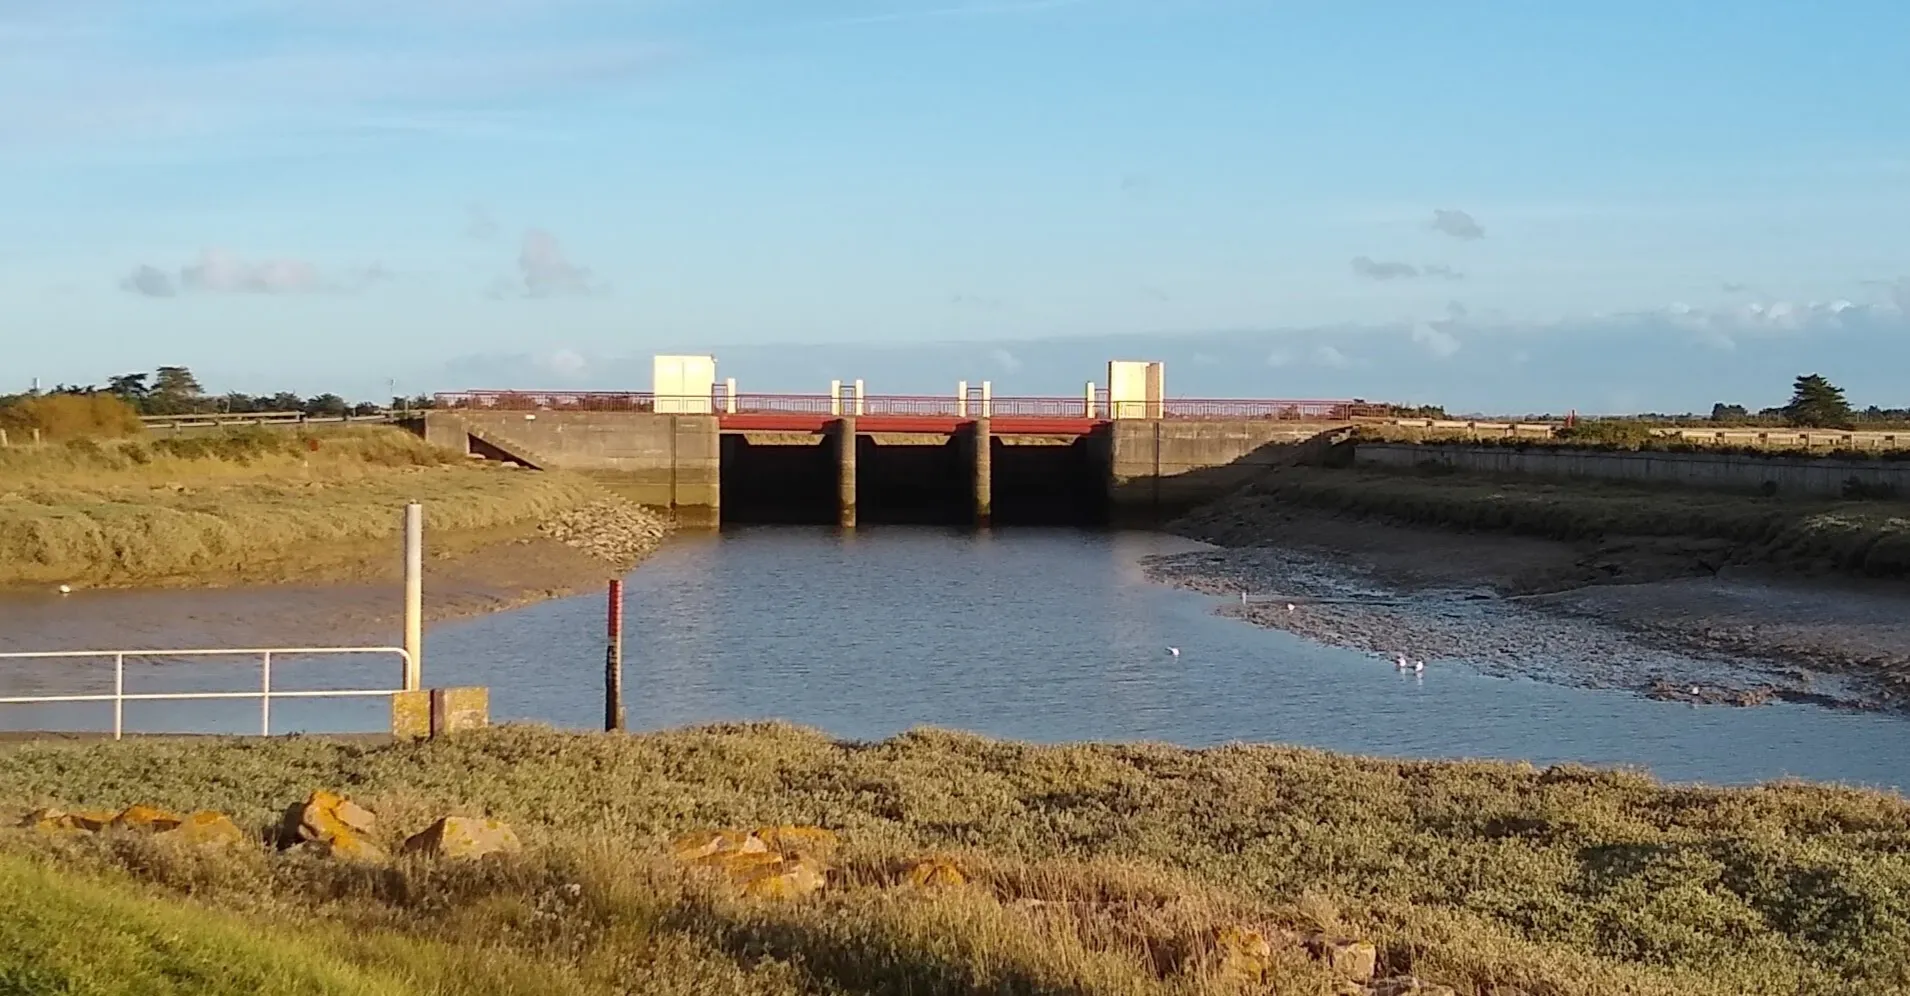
{"x":323,"y":509}
{"x":1794,"y":588}
{"x":1087,"y":867}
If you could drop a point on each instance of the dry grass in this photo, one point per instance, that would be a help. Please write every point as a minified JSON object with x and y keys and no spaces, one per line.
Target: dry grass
{"x":1860,"y":537}
{"x":60,"y":417}
{"x":1090,"y":866}
{"x":239,"y":505}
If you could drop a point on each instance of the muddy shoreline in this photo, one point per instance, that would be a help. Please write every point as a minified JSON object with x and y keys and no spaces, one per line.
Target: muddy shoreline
{"x":1656,"y":617}
{"x":346,"y":594}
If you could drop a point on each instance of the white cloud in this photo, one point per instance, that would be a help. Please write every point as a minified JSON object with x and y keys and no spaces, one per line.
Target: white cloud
{"x":1005,"y":359}
{"x":565,"y":363}
{"x":1329,"y":356}
{"x":221,"y":271}
{"x":478,"y":223}
{"x":150,"y":281}
{"x":1279,"y":358}
{"x":1457,"y":224}
{"x":547,"y":272}
{"x":1435,"y":339}
{"x":1372,"y":269}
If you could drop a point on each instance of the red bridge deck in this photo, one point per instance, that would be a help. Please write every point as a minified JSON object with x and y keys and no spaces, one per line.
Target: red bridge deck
{"x":909,"y":413}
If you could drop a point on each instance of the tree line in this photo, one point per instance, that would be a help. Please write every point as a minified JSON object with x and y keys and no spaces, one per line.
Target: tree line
{"x":176,"y":391}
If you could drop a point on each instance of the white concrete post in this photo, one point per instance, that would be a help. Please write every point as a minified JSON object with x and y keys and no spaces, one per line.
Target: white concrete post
{"x":987,"y":408}
{"x":729,"y":392}
{"x":961,"y":401}
{"x":858,"y":395}
{"x":1088,"y":395}
{"x":835,"y":397}
{"x":414,"y":595}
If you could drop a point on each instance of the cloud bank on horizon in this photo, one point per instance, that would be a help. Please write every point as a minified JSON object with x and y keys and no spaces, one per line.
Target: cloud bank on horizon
{"x":333,"y":196}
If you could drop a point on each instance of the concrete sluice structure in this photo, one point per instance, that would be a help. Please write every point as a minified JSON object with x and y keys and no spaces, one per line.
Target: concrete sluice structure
{"x":853,"y":470}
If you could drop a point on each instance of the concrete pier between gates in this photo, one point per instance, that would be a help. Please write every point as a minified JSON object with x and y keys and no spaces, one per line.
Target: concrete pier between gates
{"x":849,"y":470}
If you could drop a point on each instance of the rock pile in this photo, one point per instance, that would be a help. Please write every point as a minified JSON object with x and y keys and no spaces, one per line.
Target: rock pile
{"x":614,"y":531}
{"x":200,"y":829}
{"x":463,"y":838}
{"x":1247,"y":955}
{"x":333,"y":826}
{"x":786,"y":862}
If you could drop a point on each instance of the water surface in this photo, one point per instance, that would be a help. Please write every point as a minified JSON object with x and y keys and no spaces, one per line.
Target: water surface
{"x":1039,"y":635}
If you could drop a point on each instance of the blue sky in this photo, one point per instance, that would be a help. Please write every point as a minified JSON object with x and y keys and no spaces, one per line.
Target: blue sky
{"x":1494,"y":205}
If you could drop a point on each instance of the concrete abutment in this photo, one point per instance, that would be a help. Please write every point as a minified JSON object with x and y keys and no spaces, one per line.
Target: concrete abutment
{"x":1125,"y":472}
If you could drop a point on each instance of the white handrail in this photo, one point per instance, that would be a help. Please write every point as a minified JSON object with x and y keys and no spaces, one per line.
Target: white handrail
{"x":265,"y":694}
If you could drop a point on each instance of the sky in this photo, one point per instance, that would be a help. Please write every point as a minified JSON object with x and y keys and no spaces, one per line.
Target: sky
{"x":1495,"y":206}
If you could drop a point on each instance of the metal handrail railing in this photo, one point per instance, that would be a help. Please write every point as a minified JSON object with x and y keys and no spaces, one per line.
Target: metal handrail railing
{"x":265,"y":694}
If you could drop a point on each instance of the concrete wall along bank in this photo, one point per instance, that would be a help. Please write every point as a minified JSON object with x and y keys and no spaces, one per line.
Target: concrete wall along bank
{"x":1161,"y":468}
{"x":1716,"y":471}
{"x":663,"y":461}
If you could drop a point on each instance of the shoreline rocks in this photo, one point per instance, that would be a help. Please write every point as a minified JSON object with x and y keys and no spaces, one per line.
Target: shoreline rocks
{"x":612,"y":530}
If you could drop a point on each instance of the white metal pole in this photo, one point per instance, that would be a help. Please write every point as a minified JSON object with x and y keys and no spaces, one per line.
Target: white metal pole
{"x":119,"y":692}
{"x":414,"y":596}
{"x":961,"y":399}
{"x":835,"y":397}
{"x":265,"y":697}
{"x":858,"y":395}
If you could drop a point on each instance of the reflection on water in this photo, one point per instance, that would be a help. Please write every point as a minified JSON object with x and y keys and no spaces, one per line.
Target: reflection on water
{"x":1039,"y":635}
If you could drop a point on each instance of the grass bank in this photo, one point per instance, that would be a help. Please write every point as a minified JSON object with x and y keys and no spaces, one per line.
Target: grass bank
{"x":246,"y":506}
{"x":1858,"y":537}
{"x":1087,"y":865}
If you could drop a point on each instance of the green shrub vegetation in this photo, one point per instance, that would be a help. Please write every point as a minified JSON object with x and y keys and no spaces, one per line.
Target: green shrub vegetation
{"x":1085,"y":863}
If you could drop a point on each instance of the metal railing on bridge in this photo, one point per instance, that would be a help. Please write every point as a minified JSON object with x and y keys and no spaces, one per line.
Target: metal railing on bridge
{"x":903,"y":405}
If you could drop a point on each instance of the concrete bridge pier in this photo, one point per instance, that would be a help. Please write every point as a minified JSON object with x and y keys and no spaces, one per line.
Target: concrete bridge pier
{"x":984,"y":474}
{"x":846,"y":473}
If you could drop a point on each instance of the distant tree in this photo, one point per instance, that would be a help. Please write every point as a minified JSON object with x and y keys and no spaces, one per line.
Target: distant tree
{"x":130,"y":388}
{"x":175,"y":391}
{"x":1817,"y":403}
{"x":284,"y":401}
{"x":325,"y":404}
{"x":1722,"y":412}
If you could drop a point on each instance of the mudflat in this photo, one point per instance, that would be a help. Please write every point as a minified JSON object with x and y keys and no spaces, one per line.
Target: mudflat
{"x":1767,"y":620}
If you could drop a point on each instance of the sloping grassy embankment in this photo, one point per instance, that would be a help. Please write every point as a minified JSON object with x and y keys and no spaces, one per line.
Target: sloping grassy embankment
{"x":1087,"y":866}
{"x":249,"y":506}
{"x":1870,"y":538}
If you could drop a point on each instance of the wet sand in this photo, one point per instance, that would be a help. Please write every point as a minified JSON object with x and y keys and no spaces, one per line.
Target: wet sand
{"x":1655,"y":617}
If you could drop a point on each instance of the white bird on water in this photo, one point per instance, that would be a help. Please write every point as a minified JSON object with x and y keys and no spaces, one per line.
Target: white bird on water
{"x":66,"y":589}
{"x":1173,"y":651}
{"x":1419,"y":666}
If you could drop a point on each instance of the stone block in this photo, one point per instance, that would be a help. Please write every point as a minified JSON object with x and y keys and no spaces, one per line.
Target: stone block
{"x":461,"y":838}
{"x":411,"y":715}
{"x":455,"y":710}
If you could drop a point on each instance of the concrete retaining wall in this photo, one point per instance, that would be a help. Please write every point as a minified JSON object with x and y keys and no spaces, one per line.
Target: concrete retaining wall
{"x":664,"y":461}
{"x":1715,"y":471}
{"x":1159,"y":469}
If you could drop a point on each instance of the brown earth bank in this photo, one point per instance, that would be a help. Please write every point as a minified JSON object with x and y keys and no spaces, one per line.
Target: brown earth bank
{"x":1704,"y":618}
{"x":944,"y":864}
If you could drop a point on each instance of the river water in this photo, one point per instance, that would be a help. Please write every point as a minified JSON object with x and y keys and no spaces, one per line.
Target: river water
{"x":1044,"y":635}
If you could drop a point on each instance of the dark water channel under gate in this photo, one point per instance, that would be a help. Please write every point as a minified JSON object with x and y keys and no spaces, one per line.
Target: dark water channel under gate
{"x":1044,"y":635}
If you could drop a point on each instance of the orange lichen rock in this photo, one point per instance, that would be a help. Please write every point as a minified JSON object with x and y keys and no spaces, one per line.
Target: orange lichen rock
{"x":329,"y":824}
{"x":936,"y":873}
{"x":205,"y":829}
{"x":782,"y":862}
{"x":146,"y":818}
{"x":463,"y":838}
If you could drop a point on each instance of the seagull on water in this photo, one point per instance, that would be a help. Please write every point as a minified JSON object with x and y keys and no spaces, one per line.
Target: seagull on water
{"x":66,"y":589}
{"x":1419,"y":666}
{"x":1173,"y":651}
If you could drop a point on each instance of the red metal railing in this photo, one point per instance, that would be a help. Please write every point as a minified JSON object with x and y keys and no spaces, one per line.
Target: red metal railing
{"x":932,"y":406}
